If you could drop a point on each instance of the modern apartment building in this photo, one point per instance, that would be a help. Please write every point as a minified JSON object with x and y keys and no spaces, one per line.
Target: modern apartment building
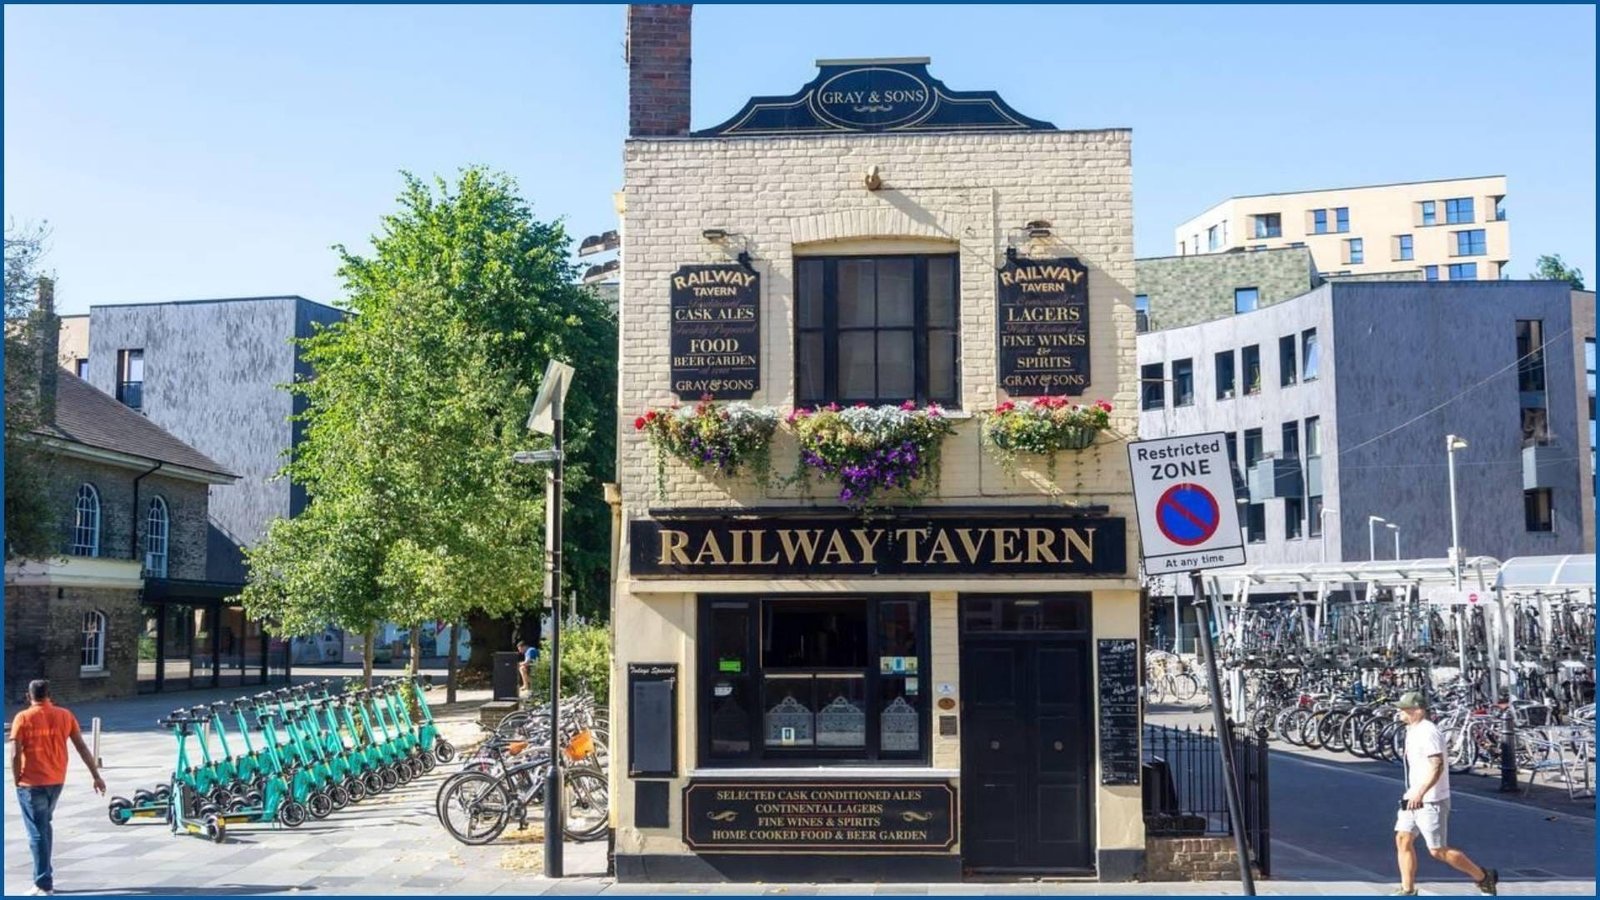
{"x":1337,"y":404}
{"x":1449,"y":230}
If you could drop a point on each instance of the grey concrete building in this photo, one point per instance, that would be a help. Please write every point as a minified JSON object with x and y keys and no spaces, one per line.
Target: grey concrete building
{"x":212,"y":372}
{"x":1337,"y":403}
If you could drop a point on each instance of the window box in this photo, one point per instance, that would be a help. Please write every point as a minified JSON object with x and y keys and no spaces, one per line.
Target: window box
{"x":868,"y":450}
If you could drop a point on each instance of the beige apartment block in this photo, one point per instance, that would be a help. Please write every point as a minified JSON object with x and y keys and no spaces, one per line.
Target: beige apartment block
{"x":74,"y":346}
{"x":1453,"y":229}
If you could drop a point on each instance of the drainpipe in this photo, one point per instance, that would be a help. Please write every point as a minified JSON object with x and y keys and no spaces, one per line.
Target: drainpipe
{"x":133,"y":533}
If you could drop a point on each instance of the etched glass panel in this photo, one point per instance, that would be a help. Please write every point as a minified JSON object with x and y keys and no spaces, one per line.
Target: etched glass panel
{"x":841,"y":724}
{"x":788,"y":721}
{"x":898,"y":727}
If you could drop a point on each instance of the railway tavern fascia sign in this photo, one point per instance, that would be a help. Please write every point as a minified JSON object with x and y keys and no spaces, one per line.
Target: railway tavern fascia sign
{"x":875,"y":95}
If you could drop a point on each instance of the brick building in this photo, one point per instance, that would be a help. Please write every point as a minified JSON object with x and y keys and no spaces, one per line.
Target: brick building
{"x":752,"y":688}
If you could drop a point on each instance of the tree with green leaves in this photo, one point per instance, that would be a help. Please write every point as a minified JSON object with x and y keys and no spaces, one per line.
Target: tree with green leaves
{"x":1552,"y":268}
{"x":416,"y":511}
{"x":32,"y":526}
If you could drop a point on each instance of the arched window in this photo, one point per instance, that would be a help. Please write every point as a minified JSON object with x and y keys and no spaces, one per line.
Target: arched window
{"x":86,"y":523}
{"x":155,"y":539}
{"x":94,"y":641}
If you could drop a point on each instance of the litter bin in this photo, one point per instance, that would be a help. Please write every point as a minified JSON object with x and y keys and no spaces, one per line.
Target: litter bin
{"x":503,"y":677}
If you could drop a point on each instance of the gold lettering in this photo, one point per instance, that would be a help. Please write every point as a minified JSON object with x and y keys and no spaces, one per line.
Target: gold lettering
{"x":942,"y":547}
{"x":796,"y":541}
{"x":1004,"y":539}
{"x":672,"y":545}
{"x":837,"y":550}
{"x":868,"y":548}
{"x":972,"y":546}
{"x":1075,"y":539}
{"x":738,"y":547}
{"x":910,"y":536}
{"x":1039,"y":546}
{"x":709,"y":545}
{"x":756,"y":538}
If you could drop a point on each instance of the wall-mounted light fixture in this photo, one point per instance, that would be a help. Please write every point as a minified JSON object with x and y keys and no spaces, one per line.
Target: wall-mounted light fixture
{"x":1038,"y":228}
{"x":1011,"y":254}
{"x":715,"y":234}
{"x":873,"y":180}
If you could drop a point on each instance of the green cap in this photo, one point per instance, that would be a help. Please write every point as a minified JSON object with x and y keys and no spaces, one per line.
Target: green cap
{"x":1411,"y":700}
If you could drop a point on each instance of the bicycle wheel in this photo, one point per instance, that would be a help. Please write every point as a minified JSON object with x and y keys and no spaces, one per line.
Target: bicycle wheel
{"x":475,"y":808}
{"x":1184,"y":687}
{"x":588,"y":804}
{"x":1330,"y":732}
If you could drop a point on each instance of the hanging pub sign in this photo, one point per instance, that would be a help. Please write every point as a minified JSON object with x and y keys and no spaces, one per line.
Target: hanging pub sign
{"x":716,"y":332}
{"x":929,"y":543}
{"x":875,"y":95}
{"x":1043,"y":329}
{"x":832,"y":816}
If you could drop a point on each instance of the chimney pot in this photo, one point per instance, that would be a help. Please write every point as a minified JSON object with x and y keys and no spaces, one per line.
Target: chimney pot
{"x":658,"y":69}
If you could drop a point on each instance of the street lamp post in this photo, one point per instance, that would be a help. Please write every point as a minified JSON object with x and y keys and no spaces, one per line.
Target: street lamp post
{"x":1451,"y":445}
{"x":1372,"y":538}
{"x":1396,"y":529}
{"x":1322,"y":526}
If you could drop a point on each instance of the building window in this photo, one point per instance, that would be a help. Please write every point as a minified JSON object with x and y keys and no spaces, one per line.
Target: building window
{"x":1430,"y":213}
{"x":1403,"y":248}
{"x":1213,"y":241}
{"x":130,"y":378}
{"x":1225,"y":376}
{"x":1287,"y":374}
{"x":1341,"y":219}
{"x":80,"y":368}
{"x":1294,"y":515}
{"x":1183,"y":382}
{"x":1252,"y":447}
{"x":1291,"y":441}
{"x":1500,"y":208}
{"x":1463,"y":271}
{"x":1258,"y":247}
{"x":1313,"y":436}
{"x":1245,"y":300}
{"x":1458,"y":211}
{"x":93,"y":658}
{"x":1251,"y":363}
{"x":1319,"y":221}
{"x":155,"y":539}
{"x":1430,"y":273}
{"x":1588,"y":365}
{"x":86,"y":522}
{"x":1268,"y":226}
{"x":1353,"y":253}
{"x":1255,"y":523}
{"x":1470,"y":243}
{"x":795,"y":680}
{"x":1314,"y":516}
{"x":1537,"y":511}
{"x":1531,"y":382}
{"x":1152,"y":386}
{"x":1233,"y":451}
{"x":876,"y":329}
{"x":1141,"y":312}
{"x":1311,"y":354}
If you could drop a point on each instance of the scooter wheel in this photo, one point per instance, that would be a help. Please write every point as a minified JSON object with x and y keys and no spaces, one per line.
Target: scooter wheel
{"x":355,"y":789}
{"x":237,"y":804}
{"x":292,"y":814}
{"x":220,"y":798}
{"x":391,"y":779}
{"x":215,"y":831}
{"x":254,"y":800}
{"x":339,"y":796}
{"x":406,"y":769}
{"x":373,"y":782}
{"x":427,"y":761}
{"x":209,"y":809}
{"x":444,"y":751}
{"x":319,"y":805}
{"x":121,"y":810}
{"x":142,"y":796}
{"x":163,"y":792}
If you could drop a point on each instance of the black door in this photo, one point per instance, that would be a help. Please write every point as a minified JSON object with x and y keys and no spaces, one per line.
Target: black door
{"x":1026,"y":753}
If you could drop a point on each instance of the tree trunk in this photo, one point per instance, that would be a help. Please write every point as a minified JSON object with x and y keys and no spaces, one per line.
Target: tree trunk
{"x":367,"y":652}
{"x":416,"y":649}
{"x":455,"y":655}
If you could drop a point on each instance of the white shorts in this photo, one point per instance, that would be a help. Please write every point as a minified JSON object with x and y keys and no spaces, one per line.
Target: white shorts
{"x":1432,"y":821}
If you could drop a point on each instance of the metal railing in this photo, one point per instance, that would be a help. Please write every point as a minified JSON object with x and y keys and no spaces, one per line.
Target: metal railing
{"x":1184,"y":791}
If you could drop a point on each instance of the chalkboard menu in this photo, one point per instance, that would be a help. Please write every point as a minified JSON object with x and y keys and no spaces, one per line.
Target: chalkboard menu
{"x":1119,"y":711}
{"x":716,"y":332}
{"x":652,"y":720}
{"x":809,"y":816}
{"x":1043,"y":327}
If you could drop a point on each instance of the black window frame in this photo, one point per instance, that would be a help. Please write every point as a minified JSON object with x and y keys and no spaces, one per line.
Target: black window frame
{"x":1227,"y":376}
{"x":920,"y":329}
{"x":1294,"y":518}
{"x":1539,"y":518}
{"x":1245,"y":354}
{"x":759,"y":755}
{"x":130,"y":392}
{"x":1152,"y":391}
{"x":1288,"y":362}
{"x":1182,"y":382}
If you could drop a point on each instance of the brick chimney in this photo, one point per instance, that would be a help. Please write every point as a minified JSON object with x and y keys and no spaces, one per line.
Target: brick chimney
{"x":47,"y":334}
{"x":658,"y":69}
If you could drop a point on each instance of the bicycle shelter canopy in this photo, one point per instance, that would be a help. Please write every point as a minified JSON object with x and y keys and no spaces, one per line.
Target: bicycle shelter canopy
{"x":1546,"y":574}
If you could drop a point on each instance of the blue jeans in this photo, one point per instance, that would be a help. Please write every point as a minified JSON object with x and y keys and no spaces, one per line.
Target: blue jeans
{"x":38,"y":805}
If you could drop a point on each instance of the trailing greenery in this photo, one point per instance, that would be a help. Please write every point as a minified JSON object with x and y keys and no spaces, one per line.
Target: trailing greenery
{"x":585,"y":662}
{"x":1044,"y":426}
{"x":33,"y":524}
{"x":870,"y":450}
{"x":721,"y":438}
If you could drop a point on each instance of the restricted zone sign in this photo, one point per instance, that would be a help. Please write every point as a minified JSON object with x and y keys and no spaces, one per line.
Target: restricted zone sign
{"x":1188,"y":519}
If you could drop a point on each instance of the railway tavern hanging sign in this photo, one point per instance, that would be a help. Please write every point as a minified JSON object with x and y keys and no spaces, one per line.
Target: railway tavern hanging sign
{"x":716,"y":332}
{"x":1043,"y":328}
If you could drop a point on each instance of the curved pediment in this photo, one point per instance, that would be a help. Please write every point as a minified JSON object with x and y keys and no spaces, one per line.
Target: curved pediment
{"x":875,"y":96}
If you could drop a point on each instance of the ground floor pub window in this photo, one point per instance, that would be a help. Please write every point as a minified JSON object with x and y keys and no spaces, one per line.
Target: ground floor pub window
{"x":794,"y":680}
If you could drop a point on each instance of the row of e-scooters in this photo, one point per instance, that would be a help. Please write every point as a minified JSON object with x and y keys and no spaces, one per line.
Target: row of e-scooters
{"x":310,"y":749}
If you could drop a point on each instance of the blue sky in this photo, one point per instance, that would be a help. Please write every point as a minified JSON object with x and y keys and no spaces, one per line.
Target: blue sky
{"x":184,"y":152}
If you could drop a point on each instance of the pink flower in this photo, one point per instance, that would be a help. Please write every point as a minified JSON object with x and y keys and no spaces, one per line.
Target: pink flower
{"x":909,"y":405}
{"x":833,"y":407}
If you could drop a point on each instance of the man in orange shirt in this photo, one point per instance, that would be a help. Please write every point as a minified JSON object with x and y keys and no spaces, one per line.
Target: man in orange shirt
{"x":39,"y":736}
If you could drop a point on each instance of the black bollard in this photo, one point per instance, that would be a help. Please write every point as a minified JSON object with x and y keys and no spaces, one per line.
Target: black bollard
{"x":1508,"y":751}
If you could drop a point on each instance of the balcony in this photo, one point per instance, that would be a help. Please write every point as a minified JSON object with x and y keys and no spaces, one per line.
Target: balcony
{"x":1270,"y":478}
{"x":1541,"y":466}
{"x":131,"y":394}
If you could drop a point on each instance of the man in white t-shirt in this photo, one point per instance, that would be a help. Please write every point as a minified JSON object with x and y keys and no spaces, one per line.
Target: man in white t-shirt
{"x":1425,"y":809}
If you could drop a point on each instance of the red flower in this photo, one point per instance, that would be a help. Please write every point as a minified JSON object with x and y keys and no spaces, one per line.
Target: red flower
{"x":1005,"y":407}
{"x":639,"y":423}
{"x":651,"y":416}
{"x":861,"y":406}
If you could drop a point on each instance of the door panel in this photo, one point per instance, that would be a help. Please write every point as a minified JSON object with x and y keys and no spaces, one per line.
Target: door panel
{"x":1025,"y":753}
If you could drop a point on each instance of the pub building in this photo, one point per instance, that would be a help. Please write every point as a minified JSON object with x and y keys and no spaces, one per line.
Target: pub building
{"x":930,"y":689}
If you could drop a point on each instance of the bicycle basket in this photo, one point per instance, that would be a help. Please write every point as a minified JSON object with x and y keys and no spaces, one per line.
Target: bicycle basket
{"x":581,"y":745}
